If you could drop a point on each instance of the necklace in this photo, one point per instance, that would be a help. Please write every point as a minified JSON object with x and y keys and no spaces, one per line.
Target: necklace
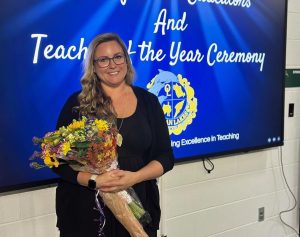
{"x":119,"y":136}
{"x":119,"y":128}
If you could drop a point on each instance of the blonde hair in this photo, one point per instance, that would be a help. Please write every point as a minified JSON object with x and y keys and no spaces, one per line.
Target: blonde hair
{"x":92,"y":99}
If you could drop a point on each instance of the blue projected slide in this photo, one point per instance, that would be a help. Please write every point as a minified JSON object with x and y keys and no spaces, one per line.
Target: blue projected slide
{"x":217,"y":68}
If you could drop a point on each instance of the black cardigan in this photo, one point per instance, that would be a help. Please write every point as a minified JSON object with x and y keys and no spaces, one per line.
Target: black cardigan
{"x":70,"y":191}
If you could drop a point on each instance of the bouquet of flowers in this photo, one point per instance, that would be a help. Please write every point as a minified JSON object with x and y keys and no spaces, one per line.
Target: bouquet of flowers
{"x":90,"y":145}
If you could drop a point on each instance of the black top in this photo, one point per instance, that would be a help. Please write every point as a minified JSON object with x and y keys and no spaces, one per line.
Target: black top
{"x":145,"y":138}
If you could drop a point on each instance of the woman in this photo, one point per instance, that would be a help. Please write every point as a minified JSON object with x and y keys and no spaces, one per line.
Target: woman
{"x":145,"y":153}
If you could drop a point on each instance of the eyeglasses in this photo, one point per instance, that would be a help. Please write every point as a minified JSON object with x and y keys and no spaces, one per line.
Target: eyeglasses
{"x":105,"y":61}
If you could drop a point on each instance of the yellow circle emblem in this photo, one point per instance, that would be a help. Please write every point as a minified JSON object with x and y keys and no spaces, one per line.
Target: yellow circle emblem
{"x":177,"y":99}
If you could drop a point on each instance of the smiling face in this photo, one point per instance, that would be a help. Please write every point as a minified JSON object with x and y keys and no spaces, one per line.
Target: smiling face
{"x":113,"y":74}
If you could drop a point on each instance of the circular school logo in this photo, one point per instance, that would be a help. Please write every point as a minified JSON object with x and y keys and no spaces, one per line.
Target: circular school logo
{"x":177,"y":99}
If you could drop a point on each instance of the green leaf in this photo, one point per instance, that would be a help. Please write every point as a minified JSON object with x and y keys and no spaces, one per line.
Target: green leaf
{"x":81,"y":144}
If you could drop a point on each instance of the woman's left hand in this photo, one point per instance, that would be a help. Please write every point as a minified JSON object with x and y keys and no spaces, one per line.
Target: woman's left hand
{"x":126,"y":179}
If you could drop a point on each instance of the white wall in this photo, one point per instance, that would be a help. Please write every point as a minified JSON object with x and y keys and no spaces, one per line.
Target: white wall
{"x":293,"y":34}
{"x":221,"y":204}
{"x":28,"y":214}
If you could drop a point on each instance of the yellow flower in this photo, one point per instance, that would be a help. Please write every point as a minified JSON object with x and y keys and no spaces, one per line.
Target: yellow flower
{"x":100,"y":156}
{"x":56,"y":163}
{"x":71,"y":138}
{"x":102,"y":125}
{"x":50,"y":161}
{"x":108,"y":143}
{"x":56,"y":141}
{"x":113,"y":153}
{"x":66,"y":147}
{"x":47,"y":158}
{"x":76,"y":125}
